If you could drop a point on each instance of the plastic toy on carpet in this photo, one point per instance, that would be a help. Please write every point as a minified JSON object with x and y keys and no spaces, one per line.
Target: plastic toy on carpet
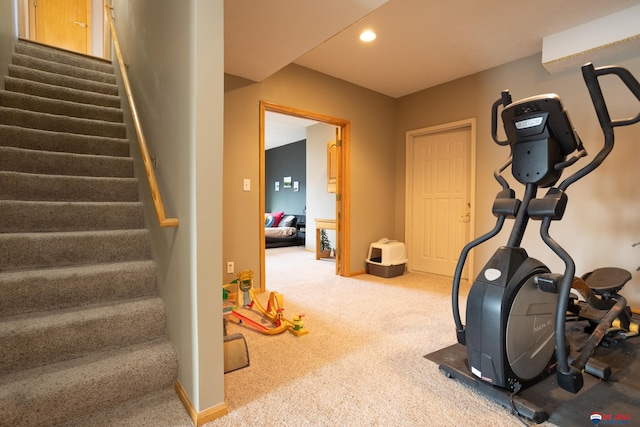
{"x":273,"y":312}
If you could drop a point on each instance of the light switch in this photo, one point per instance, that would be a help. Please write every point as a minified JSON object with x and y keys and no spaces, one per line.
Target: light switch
{"x":246,"y":184}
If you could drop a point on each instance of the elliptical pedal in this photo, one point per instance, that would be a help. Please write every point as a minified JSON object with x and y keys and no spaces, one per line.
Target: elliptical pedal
{"x":607,"y":281}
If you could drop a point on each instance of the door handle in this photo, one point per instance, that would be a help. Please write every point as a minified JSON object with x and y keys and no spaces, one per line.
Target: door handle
{"x":466,"y":218}
{"x":80,"y":24}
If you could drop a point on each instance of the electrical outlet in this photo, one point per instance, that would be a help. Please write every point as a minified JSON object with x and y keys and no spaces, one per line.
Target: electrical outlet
{"x":230,"y":267}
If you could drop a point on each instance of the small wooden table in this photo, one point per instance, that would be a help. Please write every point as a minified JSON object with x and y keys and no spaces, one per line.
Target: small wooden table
{"x":327,"y":224}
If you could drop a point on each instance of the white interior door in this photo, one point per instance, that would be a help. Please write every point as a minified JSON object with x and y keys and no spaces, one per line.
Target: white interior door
{"x":439,"y":197}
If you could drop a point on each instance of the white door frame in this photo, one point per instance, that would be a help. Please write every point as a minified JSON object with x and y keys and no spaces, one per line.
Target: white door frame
{"x":408,"y":218}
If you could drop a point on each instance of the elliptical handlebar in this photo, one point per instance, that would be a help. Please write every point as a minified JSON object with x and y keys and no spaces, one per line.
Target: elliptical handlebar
{"x":590,"y":75}
{"x":504,"y":100}
{"x":569,"y":375}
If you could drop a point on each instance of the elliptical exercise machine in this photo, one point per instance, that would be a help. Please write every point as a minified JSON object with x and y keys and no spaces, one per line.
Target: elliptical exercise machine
{"x":517,"y":308}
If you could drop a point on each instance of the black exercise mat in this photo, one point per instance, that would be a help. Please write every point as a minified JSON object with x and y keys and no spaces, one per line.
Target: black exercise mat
{"x":617,"y":400}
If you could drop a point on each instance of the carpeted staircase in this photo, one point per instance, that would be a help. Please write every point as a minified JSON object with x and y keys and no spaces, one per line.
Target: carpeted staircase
{"x":82,"y":328}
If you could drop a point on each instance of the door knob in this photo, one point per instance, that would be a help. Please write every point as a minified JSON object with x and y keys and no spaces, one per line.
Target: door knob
{"x":80,"y":24}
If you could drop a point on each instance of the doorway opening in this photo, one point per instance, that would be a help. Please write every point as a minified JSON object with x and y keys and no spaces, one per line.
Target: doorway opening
{"x":340,"y":182}
{"x":440,"y":189}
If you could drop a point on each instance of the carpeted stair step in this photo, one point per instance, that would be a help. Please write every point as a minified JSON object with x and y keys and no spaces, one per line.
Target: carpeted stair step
{"x":41,"y":338}
{"x":63,"y":69}
{"x":36,"y":216}
{"x":23,"y":292}
{"x":23,"y":251}
{"x":82,"y":328}
{"x":45,"y":90}
{"x":62,"y":56}
{"x":52,"y":122}
{"x":25,"y":186}
{"x":36,"y":139}
{"x":60,"y":80}
{"x":60,"y":108}
{"x":146,"y":412}
{"x":53,"y":163}
{"x":61,"y":392}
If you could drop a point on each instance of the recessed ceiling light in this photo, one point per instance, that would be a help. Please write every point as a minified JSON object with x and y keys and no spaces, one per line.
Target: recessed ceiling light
{"x":367,"y":36}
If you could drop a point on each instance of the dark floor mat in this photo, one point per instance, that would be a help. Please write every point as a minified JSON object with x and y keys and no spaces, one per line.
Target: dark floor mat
{"x":617,"y":400}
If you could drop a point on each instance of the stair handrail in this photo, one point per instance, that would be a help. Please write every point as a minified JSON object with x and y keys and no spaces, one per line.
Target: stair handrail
{"x":142,"y":142}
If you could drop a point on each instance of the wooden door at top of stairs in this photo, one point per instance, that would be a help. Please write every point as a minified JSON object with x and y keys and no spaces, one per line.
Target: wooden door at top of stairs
{"x":440,"y":199}
{"x":61,"y":23}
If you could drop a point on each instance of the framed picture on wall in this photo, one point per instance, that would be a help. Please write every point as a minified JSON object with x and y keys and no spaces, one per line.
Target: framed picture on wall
{"x":296,"y":185}
{"x":277,"y":187}
{"x":287,"y":182}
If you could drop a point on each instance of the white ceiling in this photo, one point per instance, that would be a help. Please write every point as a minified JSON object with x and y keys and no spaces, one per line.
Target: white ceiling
{"x":261,"y":37}
{"x":282,"y":129}
{"x":420,"y":43}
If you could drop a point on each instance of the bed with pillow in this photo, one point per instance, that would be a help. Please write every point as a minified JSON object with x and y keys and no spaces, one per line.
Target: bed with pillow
{"x":281,"y":229}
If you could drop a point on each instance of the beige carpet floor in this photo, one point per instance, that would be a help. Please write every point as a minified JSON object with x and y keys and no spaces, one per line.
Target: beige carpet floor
{"x":362,"y":362}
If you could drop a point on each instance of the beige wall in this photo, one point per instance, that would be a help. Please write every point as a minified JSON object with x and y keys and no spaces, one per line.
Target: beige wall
{"x":372,"y":152}
{"x":7,"y":35}
{"x":601,"y":221}
{"x":177,"y":82}
{"x":599,"y":236}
